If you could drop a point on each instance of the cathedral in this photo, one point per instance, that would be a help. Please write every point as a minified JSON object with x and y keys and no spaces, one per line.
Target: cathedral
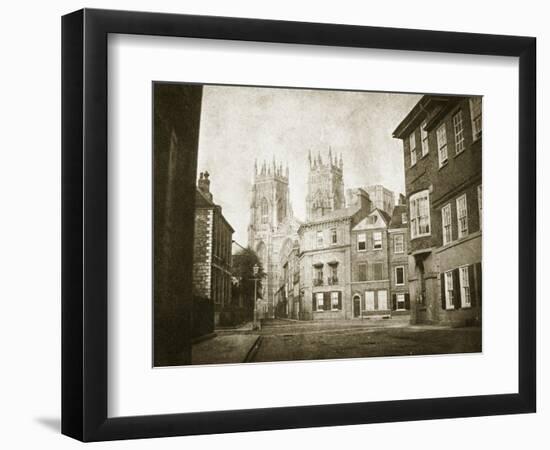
{"x":309,"y":264}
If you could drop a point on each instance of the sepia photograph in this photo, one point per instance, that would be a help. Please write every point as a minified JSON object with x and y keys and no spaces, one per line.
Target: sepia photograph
{"x":324,"y":224}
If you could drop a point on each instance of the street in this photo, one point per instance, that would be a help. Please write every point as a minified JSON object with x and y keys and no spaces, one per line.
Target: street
{"x":288,"y":340}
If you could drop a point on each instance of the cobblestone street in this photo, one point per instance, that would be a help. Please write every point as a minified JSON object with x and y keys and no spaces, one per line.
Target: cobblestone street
{"x":298,"y":341}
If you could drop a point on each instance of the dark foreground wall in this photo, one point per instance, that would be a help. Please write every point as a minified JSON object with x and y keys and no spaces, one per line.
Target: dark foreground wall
{"x":176,"y":118}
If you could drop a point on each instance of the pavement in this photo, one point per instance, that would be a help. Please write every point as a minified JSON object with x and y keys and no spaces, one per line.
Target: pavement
{"x":293,"y":340}
{"x":224,"y":349}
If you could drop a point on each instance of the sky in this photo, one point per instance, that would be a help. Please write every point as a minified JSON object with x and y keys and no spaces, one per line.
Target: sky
{"x":242,"y":124}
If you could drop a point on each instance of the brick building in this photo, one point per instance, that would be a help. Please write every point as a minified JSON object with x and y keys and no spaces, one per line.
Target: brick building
{"x":398,"y":241}
{"x":442,"y":145}
{"x":325,"y":261}
{"x":212,"y":255}
{"x":370,"y":284}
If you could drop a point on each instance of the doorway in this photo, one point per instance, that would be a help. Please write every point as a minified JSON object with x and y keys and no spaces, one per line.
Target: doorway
{"x":356,"y":306}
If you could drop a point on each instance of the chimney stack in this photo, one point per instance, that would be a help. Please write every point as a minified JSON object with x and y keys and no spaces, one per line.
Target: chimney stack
{"x":204,"y":185}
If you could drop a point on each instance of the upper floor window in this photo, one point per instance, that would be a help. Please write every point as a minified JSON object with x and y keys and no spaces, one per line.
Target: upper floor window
{"x":458,"y":127}
{"x":420,"y":214}
{"x":475,"y":112}
{"x":377,"y":240}
{"x":361,"y":242}
{"x":264,"y":210}
{"x":400,"y":276}
{"x":318,"y":275}
{"x":398,"y":244}
{"x":377,"y":271}
{"x":404,"y":218}
{"x":462,"y":215}
{"x":412,"y":148}
{"x":479,"y":207}
{"x":424,"y":139}
{"x":362,"y":272}
{"x":442,"y":145}
{"x":319,"y":239}
{"x":446,"y":222}
{"x":333,"y":236}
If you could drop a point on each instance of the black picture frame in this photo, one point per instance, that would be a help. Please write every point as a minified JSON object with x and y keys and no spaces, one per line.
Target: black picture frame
{"x":84,"y":224}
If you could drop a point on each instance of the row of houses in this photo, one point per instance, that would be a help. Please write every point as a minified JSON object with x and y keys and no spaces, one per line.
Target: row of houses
{"x":359,"y":253}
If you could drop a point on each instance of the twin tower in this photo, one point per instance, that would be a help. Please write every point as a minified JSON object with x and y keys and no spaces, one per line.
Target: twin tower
{"x":270,"y":201}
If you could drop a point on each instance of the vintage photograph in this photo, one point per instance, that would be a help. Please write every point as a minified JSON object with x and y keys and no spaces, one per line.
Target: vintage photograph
{"x":317,"y":224}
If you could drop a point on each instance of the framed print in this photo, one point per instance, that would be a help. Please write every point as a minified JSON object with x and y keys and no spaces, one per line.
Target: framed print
{"x":274,"y":225}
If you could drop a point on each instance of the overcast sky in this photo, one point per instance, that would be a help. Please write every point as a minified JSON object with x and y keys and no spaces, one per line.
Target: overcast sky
{"x":240,"y":124}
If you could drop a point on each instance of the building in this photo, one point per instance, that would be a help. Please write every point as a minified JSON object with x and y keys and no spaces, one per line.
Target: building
{"x":212,"y":272}
{"x":325,"y":269}
{"x":442,"y":144}
{"x":272,"y":227}
{"x":398,"y":241}
{"x":325,"y":186}
{"x":370,"y":284}
{"x":381,"y":198}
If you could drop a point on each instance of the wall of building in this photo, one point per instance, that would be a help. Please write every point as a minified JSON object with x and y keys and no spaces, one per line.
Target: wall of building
{"x":202,"y":256}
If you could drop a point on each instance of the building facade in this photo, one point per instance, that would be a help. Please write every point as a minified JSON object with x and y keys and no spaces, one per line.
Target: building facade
{"x":398,"y":245}
{"x":272,"y":227}
{"x":212,"y":270}
{"x":381,"y":198}
{"x":370,"y":268}
{"x":442,"y":154}
{"x":325,"y":269}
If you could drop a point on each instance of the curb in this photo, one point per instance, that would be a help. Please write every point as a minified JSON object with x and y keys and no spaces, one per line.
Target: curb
{"x":253,"y":350}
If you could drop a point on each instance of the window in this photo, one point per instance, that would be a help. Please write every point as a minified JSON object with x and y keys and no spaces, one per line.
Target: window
{"x":458,"y":127}
{"x":362,"y":272}
{"x":475,"y":113}
{"x":442,"y":145}
{"x":446,"y":222}
{"x":404,"y":218}
{"x":335,"y":301}
{"x":400,"y":301}
{"x":333,"y":236}
{"x":361,"y":242}
{"x":318,"y":276}
{"x":400,"y":276}
{"x":333,"y":274}
{"x":398,"y":244}
{"x":462,"y":214}
{"x":319,"y":239}
{"x":412,"y":148}
{"x":424,"y":139}
{"x":449,"y":292}
{"x":479,"y":201}
{"x":264,"y":210}
{"x":377,"y":271}
{"x":465,"y":287}
{"x":319,"y":298}
{"x":420,"y":214}
{"x":377,"y":240}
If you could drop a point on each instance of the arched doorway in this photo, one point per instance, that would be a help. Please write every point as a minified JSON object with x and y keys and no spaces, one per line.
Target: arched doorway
{"x":356,"y":305}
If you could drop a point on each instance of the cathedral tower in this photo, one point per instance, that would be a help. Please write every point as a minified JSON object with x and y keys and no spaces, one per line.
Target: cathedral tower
{"x":325,"y":187}
{"x":271,"y":222}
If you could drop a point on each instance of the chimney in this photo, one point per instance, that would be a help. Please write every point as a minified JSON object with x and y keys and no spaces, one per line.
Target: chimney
{"x":204,"y":185}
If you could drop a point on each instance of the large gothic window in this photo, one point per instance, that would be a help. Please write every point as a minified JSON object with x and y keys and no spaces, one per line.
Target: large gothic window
{"x":264,"y":211}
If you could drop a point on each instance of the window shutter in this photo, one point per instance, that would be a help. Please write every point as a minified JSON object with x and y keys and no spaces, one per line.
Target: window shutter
{"x":456,"y":289}
{"x":479,"y":290}
{"x":442,"y":283}
{"x":326,"y":301}
{"x":407,"y":301}
{"x":394,"y":301}
{"x":313,"y":303}
{"x":340,"y":300}
{"x":472,"y":283}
